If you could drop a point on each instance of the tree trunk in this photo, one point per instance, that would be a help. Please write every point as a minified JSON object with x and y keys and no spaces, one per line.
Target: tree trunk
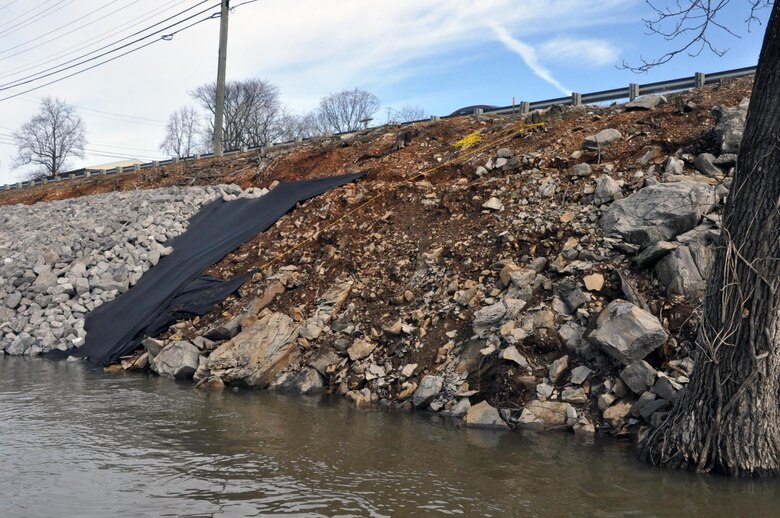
{"x":728,"y":420}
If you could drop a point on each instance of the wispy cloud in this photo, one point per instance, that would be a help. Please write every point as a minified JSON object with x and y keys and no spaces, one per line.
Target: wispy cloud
{"x":528,"y":54}
{"x":590,"y":51}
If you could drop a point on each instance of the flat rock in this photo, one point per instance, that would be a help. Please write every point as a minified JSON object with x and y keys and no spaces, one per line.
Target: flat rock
{"x":542,"y":415}
{"x":646,"y":102}
{"x":601,"y":139}
{"x":360,"y":349}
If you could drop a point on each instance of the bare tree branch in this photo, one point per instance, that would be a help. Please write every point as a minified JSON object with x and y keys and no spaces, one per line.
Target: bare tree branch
{"x":50,"y":138}
{"x":692,"y":23}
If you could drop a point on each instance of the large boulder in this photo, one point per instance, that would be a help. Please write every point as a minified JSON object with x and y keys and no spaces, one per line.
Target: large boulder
{"x":256,"y":355}
{"x":482,"y":415}
{"x":542,"y":415}
{"x":178,"y":360}
{"x":307,"y":381}
{"x":684,"y":271}
{"x":730,"y":124}
{"x":626,"y":332}
{"x":659,"y":212}
{"x":429,"y":388}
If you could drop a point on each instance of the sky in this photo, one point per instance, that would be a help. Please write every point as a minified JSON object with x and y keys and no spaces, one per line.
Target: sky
{"x":437,"y":54}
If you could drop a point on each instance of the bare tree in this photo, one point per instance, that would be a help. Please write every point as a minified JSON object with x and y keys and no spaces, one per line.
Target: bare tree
{"x":347,"y":110}
{"x":55,"y":134}
{"x":407,"y":113}
{"x":253,"y":112}
{"x":728,"y":419}
{"x":301,"y":126}
{"x":182,"y":134}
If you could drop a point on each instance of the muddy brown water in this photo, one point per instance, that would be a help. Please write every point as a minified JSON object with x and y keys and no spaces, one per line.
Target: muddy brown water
{"x":76,"y":442}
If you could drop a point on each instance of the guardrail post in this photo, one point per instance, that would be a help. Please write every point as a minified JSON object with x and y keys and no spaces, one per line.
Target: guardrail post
{"x":19,"y":185}
{"x":136,"y":168}
{"x":435,"y":118}
{"x":44,"y":181}
{"x":244,"y":149}
{"x":175,"y":160}
{"x":197,"y":156}
{"x":87,"y":174}
{"x":156,"y":163}
{"x":633,"y":91}
{"x":525,"y":107}
{"x":478,"y":111}
{"x":298,"y":139}
{"x":576,"y":99}
{"x":699,"y":79}
{"x":120,"y":170}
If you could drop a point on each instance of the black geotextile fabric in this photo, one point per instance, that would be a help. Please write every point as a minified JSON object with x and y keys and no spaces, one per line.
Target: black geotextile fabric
{"x":174,"y":288}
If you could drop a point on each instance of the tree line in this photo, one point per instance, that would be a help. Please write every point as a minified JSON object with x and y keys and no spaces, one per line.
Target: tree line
{"x":254,"y":116}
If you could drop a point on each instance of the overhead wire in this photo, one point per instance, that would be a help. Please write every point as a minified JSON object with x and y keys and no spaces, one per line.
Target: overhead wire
{"x":166,"y":37}
{"x":36,"y":18}
{"x":108,"y":4}
{"x":12,"y":20}
{"x":86,"y":57}
{"x":9,"y":4}
{"x":85,"y":43}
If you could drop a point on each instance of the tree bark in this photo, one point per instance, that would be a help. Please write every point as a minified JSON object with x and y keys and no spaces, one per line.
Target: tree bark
{"x":728,"y":420}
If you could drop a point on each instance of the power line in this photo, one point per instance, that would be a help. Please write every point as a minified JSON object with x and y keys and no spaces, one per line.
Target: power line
{"x":84,"y":44}
{"x":71,"y":23}
{"x":51,"y":71}
{"x":12,"y":20}
{"x":167,"y":37}
{"x":36,"y":17}
{"x":9,"y":4}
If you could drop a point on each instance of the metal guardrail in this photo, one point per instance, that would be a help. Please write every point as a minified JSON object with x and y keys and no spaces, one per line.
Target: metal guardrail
{"x":631,"y":92}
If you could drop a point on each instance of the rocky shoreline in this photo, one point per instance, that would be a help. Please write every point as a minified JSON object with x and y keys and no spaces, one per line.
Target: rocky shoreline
{"x":549,"y":283}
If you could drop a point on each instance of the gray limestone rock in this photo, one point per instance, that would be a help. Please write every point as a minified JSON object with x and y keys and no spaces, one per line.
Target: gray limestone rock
{"x":658,"y":212}
{"x":601,"y":139}
{"x":429,"y":388}
{"x":627,"y":332}
{"x":178,"y":360}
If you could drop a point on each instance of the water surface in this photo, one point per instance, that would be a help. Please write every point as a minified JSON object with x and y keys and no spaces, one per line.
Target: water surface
{"x":76,"y":442}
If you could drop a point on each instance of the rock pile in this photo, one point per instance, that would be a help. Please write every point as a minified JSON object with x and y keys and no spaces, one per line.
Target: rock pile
{"x":549,"y":282}
{"x":62,"y":259}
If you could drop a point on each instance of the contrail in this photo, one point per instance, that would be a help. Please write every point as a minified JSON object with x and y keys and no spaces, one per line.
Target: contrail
{"x":528,"y":54}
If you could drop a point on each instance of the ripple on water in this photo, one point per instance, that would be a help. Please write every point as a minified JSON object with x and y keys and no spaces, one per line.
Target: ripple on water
{"x":82,"y":443}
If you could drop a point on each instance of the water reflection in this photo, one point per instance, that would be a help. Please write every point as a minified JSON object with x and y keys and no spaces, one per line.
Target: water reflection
{"x":82,"y":443}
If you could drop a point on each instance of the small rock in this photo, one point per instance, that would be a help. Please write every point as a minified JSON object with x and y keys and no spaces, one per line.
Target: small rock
{"x":360,"y":349}
{"x":580,"y":170}
{"x":639,"y":376}
{"x":580,"y":374}
{"x":593,"y":282}
{"x":512,"y":354}
{"x":493,"y":204}
{"x":557,"y":368}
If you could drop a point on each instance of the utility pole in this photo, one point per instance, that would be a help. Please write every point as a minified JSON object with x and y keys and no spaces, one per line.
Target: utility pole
{"x":220,"y":108}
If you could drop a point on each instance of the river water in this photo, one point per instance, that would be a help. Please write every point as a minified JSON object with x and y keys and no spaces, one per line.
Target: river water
{"x":77,"y":442}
